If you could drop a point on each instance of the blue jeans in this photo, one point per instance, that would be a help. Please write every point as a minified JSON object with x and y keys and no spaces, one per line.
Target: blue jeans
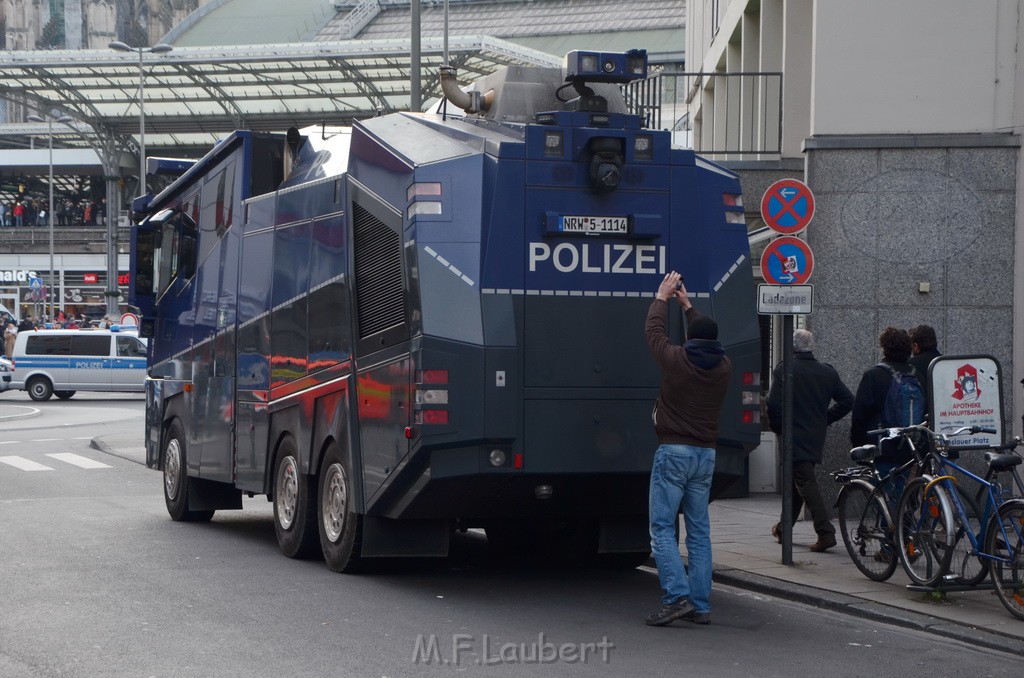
{"x":681,"y":476}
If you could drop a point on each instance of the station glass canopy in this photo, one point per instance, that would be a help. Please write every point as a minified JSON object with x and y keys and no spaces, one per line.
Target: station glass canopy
{"x":196,"y":95}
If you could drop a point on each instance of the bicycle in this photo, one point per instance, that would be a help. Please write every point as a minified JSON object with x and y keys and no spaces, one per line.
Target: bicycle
{"x":934,"y":522}
{"x":865,"y":505}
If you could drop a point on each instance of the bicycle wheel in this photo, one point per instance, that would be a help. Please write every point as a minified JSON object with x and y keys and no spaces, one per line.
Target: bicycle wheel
{"x":969,"y":569}
{"x":924,"y":531}
{"x":866,"y":531}
{"x":1004,"y":539}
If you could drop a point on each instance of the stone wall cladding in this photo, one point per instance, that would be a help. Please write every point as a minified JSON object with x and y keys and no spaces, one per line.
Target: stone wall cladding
{"x":889,"y":217}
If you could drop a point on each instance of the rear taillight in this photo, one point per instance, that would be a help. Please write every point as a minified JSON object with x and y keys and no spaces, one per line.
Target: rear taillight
{"x":431,"y":417}
{"x":431,"y":400}
{"x":432,"y":377}
{"x":750,"y":397}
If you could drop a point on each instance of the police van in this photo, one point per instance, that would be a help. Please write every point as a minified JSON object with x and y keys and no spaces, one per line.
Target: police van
{"x":61,"y":362}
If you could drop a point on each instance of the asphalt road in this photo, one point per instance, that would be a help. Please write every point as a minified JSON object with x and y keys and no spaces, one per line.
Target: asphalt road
{"x":96,"y":580}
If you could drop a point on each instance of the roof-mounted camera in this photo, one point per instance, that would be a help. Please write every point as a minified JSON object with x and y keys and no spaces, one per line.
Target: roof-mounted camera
{"x":606,"y":67}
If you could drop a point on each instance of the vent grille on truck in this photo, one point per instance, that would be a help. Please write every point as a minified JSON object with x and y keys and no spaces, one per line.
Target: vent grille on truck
{"x":378,"y":268}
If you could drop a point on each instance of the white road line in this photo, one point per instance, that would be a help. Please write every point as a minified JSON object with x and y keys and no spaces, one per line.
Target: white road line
{"x":9,"y":442}
{"x":24,"y":464}
{"x":45,"y":440}
{"x":78,"y":460}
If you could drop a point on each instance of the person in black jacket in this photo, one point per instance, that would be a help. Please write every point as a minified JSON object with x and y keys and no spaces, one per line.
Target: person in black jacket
{"x":819,"y":398}
{"x":924,"y":349}
{"x":869,"y":403}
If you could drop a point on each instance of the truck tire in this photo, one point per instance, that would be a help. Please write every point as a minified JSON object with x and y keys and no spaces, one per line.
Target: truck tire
{"x":340,"y":526}
{"x":294,"y":505}
{"x":175,"y":465}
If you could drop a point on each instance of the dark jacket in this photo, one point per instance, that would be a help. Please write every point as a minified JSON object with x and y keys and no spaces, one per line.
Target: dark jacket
{"x":694,"y":379}
{"x":819,"y":398}
{"x":920,"y":363}
{"x":867,"y":410}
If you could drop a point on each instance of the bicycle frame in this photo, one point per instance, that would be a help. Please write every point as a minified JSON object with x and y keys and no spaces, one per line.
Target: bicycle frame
{"x":993,"y":501}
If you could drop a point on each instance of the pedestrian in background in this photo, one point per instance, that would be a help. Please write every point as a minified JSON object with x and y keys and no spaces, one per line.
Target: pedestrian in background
{"x":10,"y":334}
{"x":873,"y":399}
{"x":694,"y":380}
{"x":924,"y":348}
{"x":819,"y":398}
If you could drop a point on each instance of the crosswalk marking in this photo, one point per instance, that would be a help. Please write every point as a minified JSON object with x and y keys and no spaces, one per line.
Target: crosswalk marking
{"x":78,"y":460}
{"x":24,"y":464}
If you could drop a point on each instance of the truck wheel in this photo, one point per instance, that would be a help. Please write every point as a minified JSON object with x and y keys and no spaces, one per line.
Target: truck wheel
{"x":294,"y":505}
{"x":39,"y":388}
{"x":176,"y":477}
{"x":341,"y":528}
{"x":64,"y":395}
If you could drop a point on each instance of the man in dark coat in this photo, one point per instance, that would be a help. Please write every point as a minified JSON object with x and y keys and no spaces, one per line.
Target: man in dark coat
{"x":819,"y":398}
{"x":924,"y":349}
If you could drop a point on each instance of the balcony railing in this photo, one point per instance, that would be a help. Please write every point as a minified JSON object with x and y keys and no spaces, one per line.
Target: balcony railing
{"x":66,"y":239}
{"x":731,"y":115}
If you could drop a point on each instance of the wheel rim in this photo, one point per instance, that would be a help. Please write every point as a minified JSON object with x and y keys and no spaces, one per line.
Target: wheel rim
{"x":335,"y":502}
{"x":172,"y":468}
{"x":286,"y":495}
{"x":38,"y":389}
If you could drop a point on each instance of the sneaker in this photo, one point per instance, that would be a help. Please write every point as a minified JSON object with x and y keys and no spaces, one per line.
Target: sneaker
{"x":823,"y":544}
{"x":777,"y":532}
{"x":698,"y":617}
{"x":669,"y":613}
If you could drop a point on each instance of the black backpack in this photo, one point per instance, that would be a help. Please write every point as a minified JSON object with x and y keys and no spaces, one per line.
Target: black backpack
{"x":904,"y":401}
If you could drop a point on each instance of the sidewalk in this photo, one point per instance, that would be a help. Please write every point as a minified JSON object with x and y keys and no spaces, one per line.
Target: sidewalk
{"x":747,"y":556}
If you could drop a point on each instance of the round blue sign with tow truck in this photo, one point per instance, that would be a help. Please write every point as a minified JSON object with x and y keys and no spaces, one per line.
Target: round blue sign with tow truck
{"x":787,"y":261}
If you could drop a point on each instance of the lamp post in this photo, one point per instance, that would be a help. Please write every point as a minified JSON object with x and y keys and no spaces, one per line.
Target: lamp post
{"x":160,"y":48}
{"x":112,"y":292}
{"x":51,"y":117}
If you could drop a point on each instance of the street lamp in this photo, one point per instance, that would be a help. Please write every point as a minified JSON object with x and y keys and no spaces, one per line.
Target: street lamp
{"x":51,"y":117}
{"x":160,"y":48}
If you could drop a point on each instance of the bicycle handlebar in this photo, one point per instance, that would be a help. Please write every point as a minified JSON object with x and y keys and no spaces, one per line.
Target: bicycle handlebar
{"x":897,"y":430}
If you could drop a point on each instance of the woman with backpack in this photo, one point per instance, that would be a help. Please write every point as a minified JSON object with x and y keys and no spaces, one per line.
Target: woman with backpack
{"x":890,"y":394}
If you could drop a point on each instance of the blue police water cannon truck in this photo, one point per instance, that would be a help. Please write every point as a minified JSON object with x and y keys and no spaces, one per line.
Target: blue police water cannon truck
{"x":431,"y":322}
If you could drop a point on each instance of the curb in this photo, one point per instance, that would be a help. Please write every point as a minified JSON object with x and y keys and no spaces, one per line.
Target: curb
{"x":867,"y":609}
{"x":33,"y":412}
{"x":99,"y":444}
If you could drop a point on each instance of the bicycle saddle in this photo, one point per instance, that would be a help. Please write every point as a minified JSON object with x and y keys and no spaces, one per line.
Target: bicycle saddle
{"x":1002,"y":462}
{"x":865,"y":453}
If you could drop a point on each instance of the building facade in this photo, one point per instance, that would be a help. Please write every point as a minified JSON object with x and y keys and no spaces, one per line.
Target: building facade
{"x":904,"y":119}
{"x":88,"y":24}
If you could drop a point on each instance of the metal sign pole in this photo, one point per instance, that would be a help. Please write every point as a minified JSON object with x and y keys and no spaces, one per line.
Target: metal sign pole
{"x":787,"y":440}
